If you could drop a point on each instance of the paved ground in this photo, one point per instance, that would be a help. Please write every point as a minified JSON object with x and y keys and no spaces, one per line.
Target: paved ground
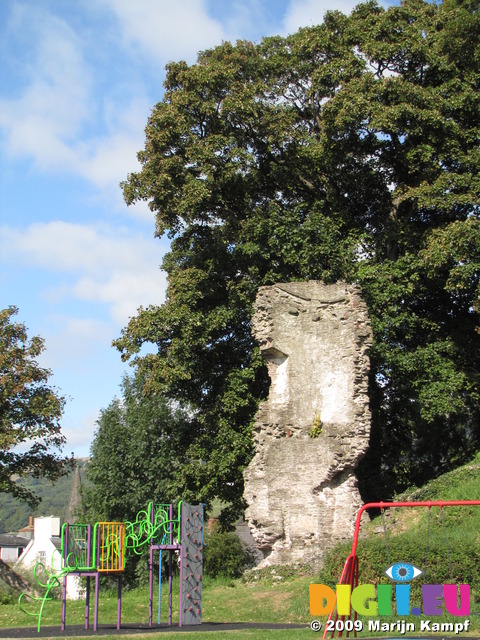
{"x":110,"y":629}
{"x":103,"y":629}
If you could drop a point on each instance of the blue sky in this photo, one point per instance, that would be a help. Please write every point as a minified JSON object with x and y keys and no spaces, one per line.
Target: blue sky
{"x":78,"y":80}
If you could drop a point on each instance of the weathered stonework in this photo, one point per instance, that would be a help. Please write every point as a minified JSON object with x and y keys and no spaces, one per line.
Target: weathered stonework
{"x":302,"y":491}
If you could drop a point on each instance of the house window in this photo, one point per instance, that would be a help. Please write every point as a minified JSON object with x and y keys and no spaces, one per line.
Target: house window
{"x":42,"y":556}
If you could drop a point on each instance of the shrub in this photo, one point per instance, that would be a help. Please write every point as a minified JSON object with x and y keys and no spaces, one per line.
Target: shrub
{"x":224,"y":554}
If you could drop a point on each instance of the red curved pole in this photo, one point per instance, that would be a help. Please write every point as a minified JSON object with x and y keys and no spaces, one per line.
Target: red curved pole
{"x":388,"y":505}
{"x":349,"y":574}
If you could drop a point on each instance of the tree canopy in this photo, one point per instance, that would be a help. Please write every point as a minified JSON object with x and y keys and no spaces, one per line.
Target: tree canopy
{"x":348,"y":150}
{"x":136,"y":455}
{"x":30,"y":412}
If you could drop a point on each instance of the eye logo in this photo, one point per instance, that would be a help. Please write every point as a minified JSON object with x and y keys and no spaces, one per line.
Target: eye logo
{"x":403,"y":572}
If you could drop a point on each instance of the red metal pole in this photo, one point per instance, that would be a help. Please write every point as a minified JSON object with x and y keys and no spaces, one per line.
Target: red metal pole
{"x":350,"y":568}
{"x":388,"y":505}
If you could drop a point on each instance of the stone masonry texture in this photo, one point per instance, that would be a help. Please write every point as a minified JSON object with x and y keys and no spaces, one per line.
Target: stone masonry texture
{"x":302,"y":491}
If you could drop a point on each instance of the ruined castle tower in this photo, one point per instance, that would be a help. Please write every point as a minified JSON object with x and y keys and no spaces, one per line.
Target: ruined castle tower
{"x":314,"y":428}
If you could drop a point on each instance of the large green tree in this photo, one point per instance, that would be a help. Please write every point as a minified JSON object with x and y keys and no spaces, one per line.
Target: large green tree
{"x":136,"y":456}
{"x":347,"y":150}
{"x":30,"y":412}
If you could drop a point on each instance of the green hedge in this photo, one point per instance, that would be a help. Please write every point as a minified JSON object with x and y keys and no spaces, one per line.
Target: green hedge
{"x":224,"y":554}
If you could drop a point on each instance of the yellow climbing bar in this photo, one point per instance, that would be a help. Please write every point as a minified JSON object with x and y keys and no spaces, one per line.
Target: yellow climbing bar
{"x":111,"y":546}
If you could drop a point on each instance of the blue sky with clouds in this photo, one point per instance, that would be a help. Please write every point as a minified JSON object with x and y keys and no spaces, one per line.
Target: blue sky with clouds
{"x":78,"y":79}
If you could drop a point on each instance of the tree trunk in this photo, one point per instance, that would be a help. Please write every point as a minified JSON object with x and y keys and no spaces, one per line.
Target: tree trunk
{"x":10,"y":577}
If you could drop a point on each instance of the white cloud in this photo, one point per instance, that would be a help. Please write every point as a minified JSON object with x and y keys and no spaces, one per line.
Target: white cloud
{"x":54,"y":104}
{"x":70,"y":339}
{"x":71,"y":117}
{"x":307,"y":13}
{"x":66,"y":116}
{"x":124,"y":292}
{"x":111,"y":160}
{"x":110,"y":266}
{"x":167,"y":30}
{"x":59,"y":116}
{"x":78,"y":432}
{"x":80,"y":436}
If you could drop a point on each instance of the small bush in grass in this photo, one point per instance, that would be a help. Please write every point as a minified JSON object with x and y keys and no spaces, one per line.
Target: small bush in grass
{"x":7,"y":595}
{"x":224,"y":554}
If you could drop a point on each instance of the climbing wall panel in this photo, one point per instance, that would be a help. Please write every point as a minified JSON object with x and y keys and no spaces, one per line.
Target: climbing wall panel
{"x":192,"y":563}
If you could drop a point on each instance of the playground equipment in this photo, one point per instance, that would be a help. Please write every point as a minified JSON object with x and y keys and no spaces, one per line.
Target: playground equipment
{"x":91,"y":551}
{"x":350,"y":570}
{"x":190,"y":550}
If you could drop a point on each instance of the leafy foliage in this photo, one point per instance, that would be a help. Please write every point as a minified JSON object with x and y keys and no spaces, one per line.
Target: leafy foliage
{"x":348,"y":150}
{"x":30,"y":412}
{"x":224,"y":554}
{"x":317,"y":426}
{"x":136,"y":456}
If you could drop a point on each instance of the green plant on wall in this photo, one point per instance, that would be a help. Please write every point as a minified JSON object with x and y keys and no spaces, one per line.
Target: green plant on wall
{"x":317,"y":426}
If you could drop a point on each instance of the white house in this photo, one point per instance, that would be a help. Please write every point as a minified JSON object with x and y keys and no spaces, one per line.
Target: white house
{"x":45,"y":547}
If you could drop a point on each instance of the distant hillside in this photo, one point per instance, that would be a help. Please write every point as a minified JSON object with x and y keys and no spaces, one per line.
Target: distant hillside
{"x":55,"y":496}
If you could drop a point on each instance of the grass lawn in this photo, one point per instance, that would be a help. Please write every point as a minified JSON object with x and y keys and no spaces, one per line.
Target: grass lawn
{"x":266,"y":600}
{"x":282,"y":596}
{"x":282,"y":600}
{"x":270,"y":599}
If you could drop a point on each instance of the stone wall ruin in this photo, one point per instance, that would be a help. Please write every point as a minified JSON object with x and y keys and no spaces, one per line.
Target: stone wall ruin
{"x":302,"y":490}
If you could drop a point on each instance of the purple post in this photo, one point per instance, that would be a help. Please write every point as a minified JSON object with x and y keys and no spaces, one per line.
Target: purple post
{"x":170,"y":595}
{"x":87,"y":604}
{"x":64,"y":592}
{"x":150,"y":597}
{"x":119,"y":603}
{"x":87,"y":595}
{"x":64,"y":602}
{"x":180,"y":610}
{"x":150,"y":601}
{"x":95,"y":616}
{"x":170,"y":577}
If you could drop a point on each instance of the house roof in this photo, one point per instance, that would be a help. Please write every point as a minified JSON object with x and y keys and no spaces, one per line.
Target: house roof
{"x":7,"y":540}
{"x":27,"y":529}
